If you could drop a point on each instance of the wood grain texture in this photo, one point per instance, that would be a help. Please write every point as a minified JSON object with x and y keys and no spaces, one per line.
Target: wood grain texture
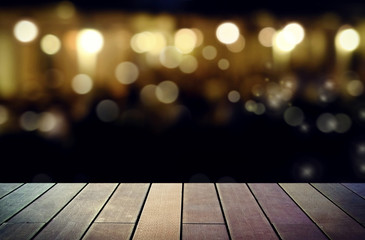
{"x":6,"y":188}
{"x":347,"y":200}
{"x":109,"y":231}
{"x":48,"y":204}
{"x":358,"y":188}
{"x":75,"y":218}
{"x":244,"y":217}
{"x":161,"y":215}
{"x":200,"y":204}
{"x":204,"y":231}
{"x":19,"y":231}
{"x":288,"y":219}
{"x":20,"y":198}
{"x":125,"y":204}
{"x":332,"y":220}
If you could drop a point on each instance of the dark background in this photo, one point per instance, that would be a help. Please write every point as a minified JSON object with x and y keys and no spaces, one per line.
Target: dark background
{"x":248,"y":149}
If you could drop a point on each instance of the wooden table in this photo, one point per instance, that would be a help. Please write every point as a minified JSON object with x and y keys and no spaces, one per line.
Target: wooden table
{"x":182,"y":211}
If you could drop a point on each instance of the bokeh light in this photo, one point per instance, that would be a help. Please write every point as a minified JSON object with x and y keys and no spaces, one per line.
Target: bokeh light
{"x":347,"y":39}
{"x":126,"y":72}
{"x":355,"y":88}
{"x":107,"y":110}
{"x":266,"y":36}
{"x":327,"y":123}
{"x":29,"y":121}
{"x":170,"y":57}
{"x":189,"y":64}
{"x":47,"y":122}
{"x":185,"y":40}
{"x":234,"y":96}
{"x":152,"y":42}
{"x":294,"y":33}
{"x":25,"y":31}
{"x":50,"y":44}
{"x":294,"y":116}
{"x":148,"y":95}
{"x":344,"y":123}
{"x":90,"y":40}
{"x":167,"y":92}
{"x":65,"y":10}
{"x":82,"y":83}
{"x":238,"y":45}
{"x":209,"y":52}
{"x":282,"y":42}
{"x":227,"y":33}
{"x":223,"y":64}
{"x":4,"y":114}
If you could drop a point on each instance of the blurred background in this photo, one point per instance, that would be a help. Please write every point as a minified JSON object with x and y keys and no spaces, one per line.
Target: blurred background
{"x":182,"y":91}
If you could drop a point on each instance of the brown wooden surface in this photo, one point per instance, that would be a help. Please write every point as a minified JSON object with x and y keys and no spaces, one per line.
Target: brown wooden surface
{"x":20,"y":198}
{"x":125,"y":204}
{"x":109,"y":231}
{"x":332,"y":220}
{"x":19,"y":231}
{"x":347,"y":200}
{"x":204,"y":231}
{"x":288,"y":219}
{"x":182,"y":211}
{"x":161,"y":216}
{"x":6,"y":188}
{"x":244,"y":217}
{"x":201,"y":204}
{"x":358,"y":188}
{"x":74,"y":219}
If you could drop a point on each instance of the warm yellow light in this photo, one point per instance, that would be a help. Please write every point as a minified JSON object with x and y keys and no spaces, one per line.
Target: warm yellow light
{"x":25,"y":31}
{"x":347,"y":40}
{"x":4,"y":114}
{"x":238,"y":45}
{"x":227,"y":33}
{"x":282,"y":42}
{"x":90,"y":40}
{"x":82,"y":84}
{"x":234,"y":96}
{"x":223,"y":64}
{"x":47,"y":122}
{"x":126,"y":72}
{"x":199,"y":36}
{"x":185,"y":40}
{"x":266,"y":36}
{"x":167,"y":92}
{"x":294,"y":33}
{"x":209,"y":52}
{"x":170,"y":57}
{"x":152,"y":42}
{"x":189,"y":64}
{"x":50,"y":44}
{"x":65,"y":10}
{"x":355,"y":88}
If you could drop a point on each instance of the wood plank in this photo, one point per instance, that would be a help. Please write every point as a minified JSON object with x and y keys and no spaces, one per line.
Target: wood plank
{"x":161,"y":215}
{"x":358,"y":188}
{"x":332,"y":220}
{"x":6,"y":188}
{"x":347,"y":200}
{"x":125,"y":204}
{"x":48,"y":204}
{"x":21,"y":197}
{"x":287,"y":218}
{"x":18,"y":231}
{"x":204,"y":231}
{"x":244,"y":217}
{"x":201,"y":204}
{"x":110,"y":231}
{"x":75,"y":218}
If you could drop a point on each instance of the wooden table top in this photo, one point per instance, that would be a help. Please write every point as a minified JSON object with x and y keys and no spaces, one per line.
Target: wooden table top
{"x":182,"y":211}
